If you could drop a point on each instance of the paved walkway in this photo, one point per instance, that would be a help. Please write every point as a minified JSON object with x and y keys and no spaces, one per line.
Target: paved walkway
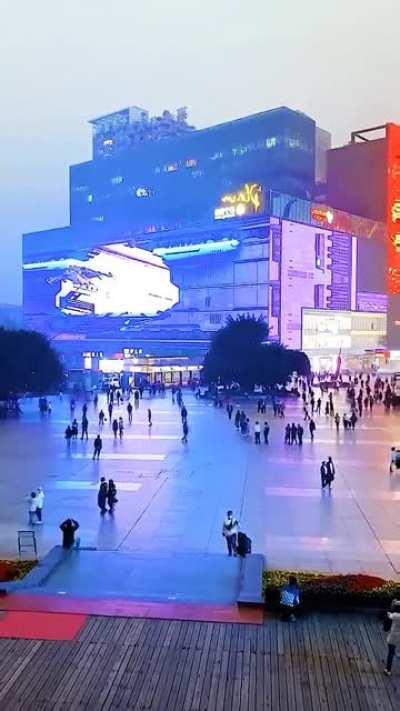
{"x":324,"y":663}
{"x":172,"y":497}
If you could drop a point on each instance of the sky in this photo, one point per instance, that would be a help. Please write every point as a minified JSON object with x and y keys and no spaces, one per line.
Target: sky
{"x":63,"y":62}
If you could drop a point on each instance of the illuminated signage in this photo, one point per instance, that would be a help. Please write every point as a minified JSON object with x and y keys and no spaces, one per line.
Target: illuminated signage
{"x":322,"y":215}
{"x":246,"y":201}
{"x":393,"y":207}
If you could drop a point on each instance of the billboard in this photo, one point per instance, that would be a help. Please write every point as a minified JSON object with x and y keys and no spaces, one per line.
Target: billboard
{"x":163,"y":289}
{"x":317,"y":269}
{"x":325,"y":331}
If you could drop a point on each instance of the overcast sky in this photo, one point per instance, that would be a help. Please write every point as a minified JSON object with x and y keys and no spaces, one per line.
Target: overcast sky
{"x":63,"y":62}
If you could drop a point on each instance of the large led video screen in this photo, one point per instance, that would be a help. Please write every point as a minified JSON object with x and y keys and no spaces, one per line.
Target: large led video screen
{"x":167,"y":289}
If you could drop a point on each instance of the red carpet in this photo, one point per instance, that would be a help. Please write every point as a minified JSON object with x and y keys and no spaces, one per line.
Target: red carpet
{"x":41,"y":625}
{"x":117,"y":607}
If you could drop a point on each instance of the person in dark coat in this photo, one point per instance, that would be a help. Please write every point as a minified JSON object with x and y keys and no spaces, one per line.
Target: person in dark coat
{"x":68,"y":528}
{"x":97,"y":447}
{"x":330,"y":472}
{"x":312,"y":427}
{"x":102,"y":495}
{"x":111,"y":495}
{"x":115,"y":428}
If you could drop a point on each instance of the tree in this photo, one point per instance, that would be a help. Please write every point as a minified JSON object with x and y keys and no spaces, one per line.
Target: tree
{"x":239,"y":353}
{"x":28,"y":363}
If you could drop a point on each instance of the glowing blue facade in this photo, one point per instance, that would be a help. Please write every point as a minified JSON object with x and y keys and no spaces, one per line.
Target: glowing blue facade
{"x":144,"y":263}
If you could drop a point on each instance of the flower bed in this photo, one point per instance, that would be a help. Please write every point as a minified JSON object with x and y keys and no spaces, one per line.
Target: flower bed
{"x":319,"y":590}
{"x":15,"y":569}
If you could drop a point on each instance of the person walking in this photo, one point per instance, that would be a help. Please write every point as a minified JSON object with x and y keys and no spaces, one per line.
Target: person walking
{"x":257,"y":432}
{"x":300,"y":432}
{"x":319,"y":403}
{"x":85,"y":428}
{"x":393,"y":638}
{"x":68,"y":435}
{"x":287,"y":434}
{"x":229,"y":410}
{"x":97,"y":447}
{"x":149,"y":417}
{"x":323,"y":472}
{"x":110,"y":410}
{"x":75,"y":429}
{"x":230,"y":529}
{"x":237,"y":419}
{"x":184,"y":413}
{"x":101,"y":418}
{"x":121,"y":427}
{"x":39,"y":504}
{"x":115,"y":428}
{"x":293,"y":434}
{"x":337,"y":421}
{"x":111,"y":495}
{"x":185,"y":430}
{"x":129,"y":410}
{"x":266,"y":433}
{"x":330,"y":472}
{"x":102,"y":495}
{"x":312,"y":428}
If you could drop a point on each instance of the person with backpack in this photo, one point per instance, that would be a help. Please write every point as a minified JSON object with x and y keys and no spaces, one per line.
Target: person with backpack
{"x":230,"y":528}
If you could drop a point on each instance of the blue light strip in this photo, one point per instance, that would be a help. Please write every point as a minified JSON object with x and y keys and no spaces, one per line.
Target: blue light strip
{"x":185,"y":251}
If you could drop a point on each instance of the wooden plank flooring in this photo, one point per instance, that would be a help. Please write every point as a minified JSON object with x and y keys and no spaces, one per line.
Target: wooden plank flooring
{"x":322,"y":663}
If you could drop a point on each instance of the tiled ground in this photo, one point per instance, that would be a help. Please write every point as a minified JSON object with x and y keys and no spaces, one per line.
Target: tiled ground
{"x":172,"y":497}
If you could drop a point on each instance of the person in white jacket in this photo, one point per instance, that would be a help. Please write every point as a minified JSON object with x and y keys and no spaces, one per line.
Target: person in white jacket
{"x":39,"y":503}
{"x":393,"y":638}
{"x":230,"y":529}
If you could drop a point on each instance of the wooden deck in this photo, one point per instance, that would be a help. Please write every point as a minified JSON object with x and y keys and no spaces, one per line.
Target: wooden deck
{"x":322,"y":663}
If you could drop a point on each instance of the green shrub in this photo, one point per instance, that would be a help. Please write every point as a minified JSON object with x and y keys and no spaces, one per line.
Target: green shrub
{"x":15,"y":569}
{"x":321,"y":590}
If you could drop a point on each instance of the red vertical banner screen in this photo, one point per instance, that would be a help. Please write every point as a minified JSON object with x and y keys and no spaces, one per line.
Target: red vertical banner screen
{"x":393,"y":208}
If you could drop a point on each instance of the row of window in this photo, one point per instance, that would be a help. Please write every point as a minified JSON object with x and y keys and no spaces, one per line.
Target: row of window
{"x":192,"y":163}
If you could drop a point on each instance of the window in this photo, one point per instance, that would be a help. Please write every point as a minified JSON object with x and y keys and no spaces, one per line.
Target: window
{"x":170,"y":167}
{"x":294,"y":142}
{"x":191,"y":163}
{"x":215,"y":318}
{"x":108,"y":142}
{"x":207,"y":302}
{"x":319,"y":296}
{"x":270,"y":142}
{"x":90,"y":197}
{"x":319,"y":251}
{"x":217,"y":155}
{"x":117,"y":180}
{"x":98,"y":218}
{"x":197,"y":173}
{"x":79,"y":188}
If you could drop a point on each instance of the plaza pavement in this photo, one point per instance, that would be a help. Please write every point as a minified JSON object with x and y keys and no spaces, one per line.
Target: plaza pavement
{"x":173,"y":497}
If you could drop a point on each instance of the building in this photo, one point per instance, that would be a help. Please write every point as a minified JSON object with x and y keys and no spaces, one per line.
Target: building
{"x":173,"y":230}
{"x":363,"y":177}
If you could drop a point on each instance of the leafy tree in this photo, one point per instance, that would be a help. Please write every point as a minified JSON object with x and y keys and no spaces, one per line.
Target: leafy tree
{"x":239,"y":353}
{"x":28,"y":363}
